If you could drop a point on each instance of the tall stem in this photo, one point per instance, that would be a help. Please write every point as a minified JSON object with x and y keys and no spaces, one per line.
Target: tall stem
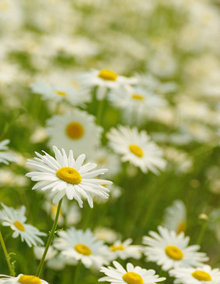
{"x":49,"y":239}
{"x":12,"y":273}
{"x":202,"y":232}
{"x":100,"y":111}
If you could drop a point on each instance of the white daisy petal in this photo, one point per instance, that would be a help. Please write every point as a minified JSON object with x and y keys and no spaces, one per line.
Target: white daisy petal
{"x":69,"y":179}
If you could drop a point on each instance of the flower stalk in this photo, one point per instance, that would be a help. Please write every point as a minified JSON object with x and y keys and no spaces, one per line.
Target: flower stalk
{"x":12,"y":273}
{"x":51,"y":234}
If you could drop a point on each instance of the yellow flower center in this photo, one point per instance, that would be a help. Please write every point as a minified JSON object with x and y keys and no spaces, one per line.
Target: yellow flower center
{"x":83,"y":249}
{"x":29,"y":279}
{"x":108,"y":75}
{"x":19,"y":226}
{"x":69,"y":175}
{"x":181,"y":227}
{"x":60,"y":93}
{"x":136,"y":150}
{"x":132,"y":278}
{"x":138,"y":97}
{"x":74,"y":130}
{"x":174,"y":252}
{"x":201,"y":275}
{"x":114,"y":248}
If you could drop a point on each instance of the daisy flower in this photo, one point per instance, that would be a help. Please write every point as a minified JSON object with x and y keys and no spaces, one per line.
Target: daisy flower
{"x":106,"y":234}
{"x":104,"y":79}
{"x":175,"y":217}
{"x":70,"y":213}
{"x":125,"y":250}
{"x":38,"y":252}
{"x":84,"y":246}
{"x":74,"y":131}
{"x":21,"y":279}
{"x":4,"y":156}
{"x":133,"y":275}
{"x":16,"y":220}
{"x":200,"y":275}
{"x":104,"y":158}
{"x":64,"y":175}
{"x":57,"y":90}
{"x":53,"y":259}
{"x":171,"y":250}
{"x":136,"y":148}
{"x":152,"y":83}
{"x":136,"y":102}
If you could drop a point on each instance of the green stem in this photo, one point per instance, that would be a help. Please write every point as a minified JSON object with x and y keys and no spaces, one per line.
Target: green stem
{"x":100,"y":111}
{"x":202,"y":232}
{"x":77,"y":272}
{"x":49,"y":239}
{"x":12,"y":273}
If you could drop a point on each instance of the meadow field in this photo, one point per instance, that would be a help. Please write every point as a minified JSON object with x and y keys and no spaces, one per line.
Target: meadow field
{"x":109,"y":141}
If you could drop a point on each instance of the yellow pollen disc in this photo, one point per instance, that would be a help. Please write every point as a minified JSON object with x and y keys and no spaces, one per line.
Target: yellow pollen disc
{"x":114,"y":248}
{"x":74,"y":130}
{"x":108,"y":75}
{"x":136,"y":150}
{"x":138,"y":97}
{"x":69,"y":175}
{"x":61,"y":93}
{"x":83,"y":249}
{"x":19,"y":226}
{"x":174,"y":252}
{"x":201,"y":275}
{"x":29,"y":279}
{"x":101,"y":161}
{"x":181,"y":227}
{"x":132,"y":278}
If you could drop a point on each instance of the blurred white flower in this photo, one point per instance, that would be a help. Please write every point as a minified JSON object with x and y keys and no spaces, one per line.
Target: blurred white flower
{"x":79,"y":245}
{"x":5,"y":157}
{"x":136,"y":148}
{"x":75,"y":131}
{"x":104,"y":79}
{"x":124,"y":250}
{"x":175,"y":217}
{"x":16,"y":220}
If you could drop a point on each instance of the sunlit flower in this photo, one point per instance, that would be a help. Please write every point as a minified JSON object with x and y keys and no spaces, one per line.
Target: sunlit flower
{"x":125,"y":250}
{"x":79,"y":245}
{"x":21,"y":279}
{"x":175,"y":217}
{"x":133,"y":275}
{"x":105,"y":158}
{"x":62,"y":90}
{"x":137,"y":103}
{"x":64,"y":175}
{"x":54,"y":259}
{"x":16,"y":220}
{"x":200,"y":275}
{"x":171,"y":250}
{"x":38,"y":251}
{"x":70,"y":213}
{"x":104,"y":79}
{"x":136,"y":148}
{"x":75,"y":131}
{"x":106,"y":234}
{"x":4,"y":156}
